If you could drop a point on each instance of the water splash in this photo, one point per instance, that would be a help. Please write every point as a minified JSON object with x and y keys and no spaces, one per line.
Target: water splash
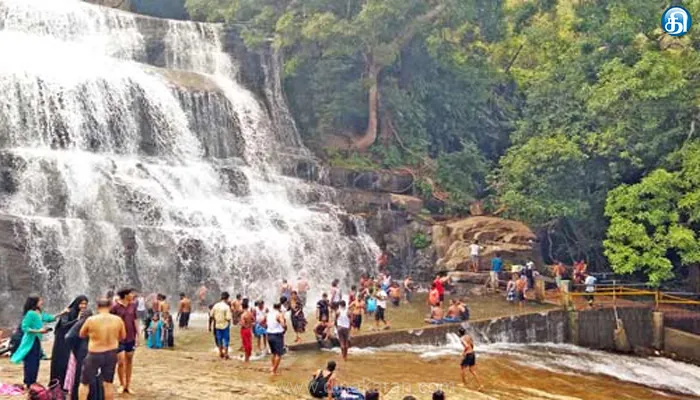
{"x":114,"y":174}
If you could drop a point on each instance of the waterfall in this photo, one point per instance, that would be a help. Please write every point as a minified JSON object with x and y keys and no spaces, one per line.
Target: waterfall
{"x":117,"y":169}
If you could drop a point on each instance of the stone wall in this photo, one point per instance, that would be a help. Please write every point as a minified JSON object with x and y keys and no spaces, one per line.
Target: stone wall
{"x":682,"y":344}
{"x":595,"y":328}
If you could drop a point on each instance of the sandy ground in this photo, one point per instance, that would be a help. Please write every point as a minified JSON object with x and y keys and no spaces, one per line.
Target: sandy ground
{"x":192,"y":370}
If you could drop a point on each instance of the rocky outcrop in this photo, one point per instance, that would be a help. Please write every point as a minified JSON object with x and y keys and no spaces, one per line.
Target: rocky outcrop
{"x":376,"y":181}
{"x":16,"y":281}
{"x":512,"y":239}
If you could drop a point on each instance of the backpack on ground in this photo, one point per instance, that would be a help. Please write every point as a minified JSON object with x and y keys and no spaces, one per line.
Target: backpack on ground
{"x":52,"y":392}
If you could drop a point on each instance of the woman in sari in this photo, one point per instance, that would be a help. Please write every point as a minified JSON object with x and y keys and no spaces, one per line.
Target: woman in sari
{"x":29,"y":351}
{"x":61,"y":353}
{"x":155,"y":333}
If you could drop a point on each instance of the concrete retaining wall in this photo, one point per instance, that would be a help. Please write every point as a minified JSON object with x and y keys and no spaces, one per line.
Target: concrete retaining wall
{"x":596,"y":328}
{"x":592,"y":329}
{"x":684,"y":345}
{"x":528,"y":328}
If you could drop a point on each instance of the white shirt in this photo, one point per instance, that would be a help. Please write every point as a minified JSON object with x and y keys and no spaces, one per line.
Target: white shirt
{"x":273,"y":325}
{"x":475,"y":249}
{"x":381,"y":299}
{"x":260,"y":315}
{"x":590,"y":283}
{"x":140,"y":304}
{"x":343,"y":318}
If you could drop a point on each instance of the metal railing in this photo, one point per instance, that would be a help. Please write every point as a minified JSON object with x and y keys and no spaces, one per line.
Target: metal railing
{"x":632,"y":290}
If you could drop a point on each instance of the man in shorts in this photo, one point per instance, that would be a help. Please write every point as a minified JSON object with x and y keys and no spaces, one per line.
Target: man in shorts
{"x":342,"y":322}
{"x":125,"y":308}
{"x":184,"y":308}
{"x":105,"y":333}
{"x":381,"y":309}
{"x":221,"y":316}
{"x":468,"y":357}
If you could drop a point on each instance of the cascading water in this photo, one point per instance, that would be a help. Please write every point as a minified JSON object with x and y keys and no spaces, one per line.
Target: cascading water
{"x":115,"y":172}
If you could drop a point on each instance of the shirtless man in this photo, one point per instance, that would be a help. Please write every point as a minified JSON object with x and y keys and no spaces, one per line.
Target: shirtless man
{"x":202,"y":295}
{"x":163,"y":306}
{"x":125,"y":308}
{"x":247,"y":321}
{"x":358,"y":309}
{"x":184,"y":308}
{"x":559,"y":271}
{"x":436,"y":315}
{"x":105,"y":331}
{"x":395,"y":294}
{"x":468,"y":357}
{"x":236,"y":309}
{"x":408,"y":288}
{"x":302,"y":288}
{"x":454,"y":311}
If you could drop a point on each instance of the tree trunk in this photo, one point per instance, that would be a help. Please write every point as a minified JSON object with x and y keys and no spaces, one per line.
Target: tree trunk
{"x":370,"y":135}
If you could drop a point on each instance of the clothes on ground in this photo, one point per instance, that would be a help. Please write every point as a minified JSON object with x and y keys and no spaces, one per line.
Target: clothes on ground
{"x":347,"y":393}
{"x":10,"y":390}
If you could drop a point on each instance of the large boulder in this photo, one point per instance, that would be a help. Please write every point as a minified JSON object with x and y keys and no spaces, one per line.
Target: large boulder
{"x":512,"y":239}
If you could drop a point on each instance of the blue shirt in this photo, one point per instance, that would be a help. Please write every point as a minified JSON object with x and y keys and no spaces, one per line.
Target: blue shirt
{"x":496,"y":264}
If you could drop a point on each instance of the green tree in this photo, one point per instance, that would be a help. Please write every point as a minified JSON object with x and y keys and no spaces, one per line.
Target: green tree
{"x":656,"y":221}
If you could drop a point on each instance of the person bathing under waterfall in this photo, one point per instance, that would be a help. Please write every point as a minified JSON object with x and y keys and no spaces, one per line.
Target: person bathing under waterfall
{"x":184,"y":309}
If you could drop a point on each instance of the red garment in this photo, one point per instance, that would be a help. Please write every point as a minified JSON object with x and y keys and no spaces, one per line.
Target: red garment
{"x":438,"y":285}
{"x":247,"y":339}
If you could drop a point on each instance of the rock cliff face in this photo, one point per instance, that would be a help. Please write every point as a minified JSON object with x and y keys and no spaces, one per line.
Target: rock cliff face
{"x":513,"y":240}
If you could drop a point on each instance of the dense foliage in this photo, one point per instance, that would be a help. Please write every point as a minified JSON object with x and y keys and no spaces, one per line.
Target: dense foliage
{"x":577,"y":117}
